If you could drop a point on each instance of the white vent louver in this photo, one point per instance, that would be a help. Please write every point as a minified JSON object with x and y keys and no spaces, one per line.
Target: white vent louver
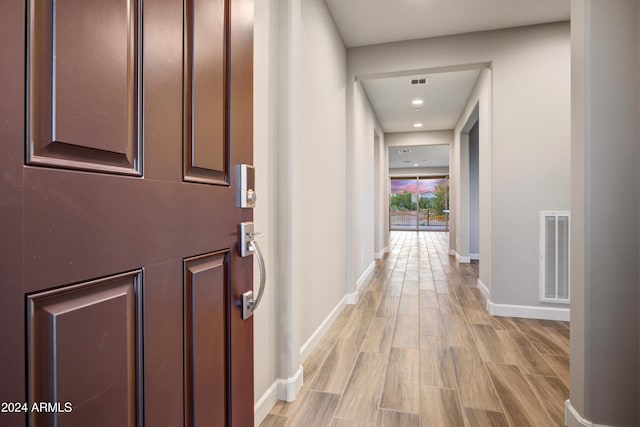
{"x":554,"y":257}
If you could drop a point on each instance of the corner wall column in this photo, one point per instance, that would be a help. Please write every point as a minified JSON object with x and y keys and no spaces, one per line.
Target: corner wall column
{"x":605,"y":214}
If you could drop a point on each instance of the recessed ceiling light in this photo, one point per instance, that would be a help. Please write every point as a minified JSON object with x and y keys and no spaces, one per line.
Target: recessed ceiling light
{"x":417,"y":125}
{"x":417,"y":101}
{"x":404,"y":151}
{"x":415,"y":164}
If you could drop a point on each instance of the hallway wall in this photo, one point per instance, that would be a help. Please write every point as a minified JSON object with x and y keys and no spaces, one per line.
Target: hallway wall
{"x":429,"y":137}
{"x":530,"y":137}
{"x":299,"y":153}
{"x":319,"y":169}
{"x":605,"y":201}
{"x":264,"y":158}
{"x":310,"y":161}
{"x":360,"y":188}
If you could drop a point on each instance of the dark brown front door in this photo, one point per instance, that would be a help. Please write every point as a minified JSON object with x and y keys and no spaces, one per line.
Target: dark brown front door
{"x":121,"y":124}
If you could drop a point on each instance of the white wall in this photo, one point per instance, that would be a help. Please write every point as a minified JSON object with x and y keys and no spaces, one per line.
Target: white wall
{"x":530,"y":136}
{"x":380,"y":198}
{"x":604,"y":241}
{"x":265,"y":137}
{"x":360,"y":190}
{"x":432,"y":137}
{"x":531,"y":156}
{"x":299,"y":153}
{"x":319,"y":169}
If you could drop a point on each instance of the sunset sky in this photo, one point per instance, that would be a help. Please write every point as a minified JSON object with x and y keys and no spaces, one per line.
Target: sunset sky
{"x":409,"y":185}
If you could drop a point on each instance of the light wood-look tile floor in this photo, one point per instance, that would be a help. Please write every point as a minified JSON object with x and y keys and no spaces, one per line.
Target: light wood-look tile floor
{"x":420,"y":349}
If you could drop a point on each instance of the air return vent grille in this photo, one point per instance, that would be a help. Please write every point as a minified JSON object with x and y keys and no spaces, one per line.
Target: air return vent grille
{"x":554,"y":257}
{"x":419,"y":81}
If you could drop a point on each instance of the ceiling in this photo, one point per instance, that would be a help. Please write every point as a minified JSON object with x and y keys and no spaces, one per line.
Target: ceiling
{"x":365,"y":22}
{"x":444,"y":96}
{"x":424,"y":156}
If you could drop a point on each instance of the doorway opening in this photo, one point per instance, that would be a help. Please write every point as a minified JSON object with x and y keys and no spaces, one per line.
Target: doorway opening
{"x":418,"y":187}
{"x":419,"y":203}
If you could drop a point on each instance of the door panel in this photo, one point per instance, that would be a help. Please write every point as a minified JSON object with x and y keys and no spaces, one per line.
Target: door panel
{"x":161,"y":60}
{"x":73,"y":330}
{"x":164,"y":344}
{"x":89,"y":90}
{"x":205,"y":324}
{"x":205,"y":91}
{"x":73,"y":121}
{"x":94,"y":224}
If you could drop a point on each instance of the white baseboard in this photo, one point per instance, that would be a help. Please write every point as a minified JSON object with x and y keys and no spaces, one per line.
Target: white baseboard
{"x":354,"y":297}
{"x":528,"y":311}
{"x":381,"y":254}
{"x":452,"y":252}
{"x":281,"y":389}
{"x":288,"y":389}
{"x":484,"y":289}
{"x":366,"y":275}
{"x":474,"y":257}
{"x":572,"y":417}
{"x":264,"y":405}
{"x":317,"y":335}
{"x":462,"y":259}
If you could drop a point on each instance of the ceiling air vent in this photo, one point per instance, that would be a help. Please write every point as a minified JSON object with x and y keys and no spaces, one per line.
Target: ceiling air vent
{"x":421,"y":81}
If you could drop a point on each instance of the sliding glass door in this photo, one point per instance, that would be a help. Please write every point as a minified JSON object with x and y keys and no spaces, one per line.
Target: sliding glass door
{"x":420,"y":203}
{"x":403,"y":206}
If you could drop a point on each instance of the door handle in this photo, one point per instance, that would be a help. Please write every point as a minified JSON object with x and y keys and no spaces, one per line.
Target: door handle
{"x":248,"y":246}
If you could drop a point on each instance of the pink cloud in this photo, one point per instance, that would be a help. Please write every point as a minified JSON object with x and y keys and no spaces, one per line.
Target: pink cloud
{"x":410,"y":185}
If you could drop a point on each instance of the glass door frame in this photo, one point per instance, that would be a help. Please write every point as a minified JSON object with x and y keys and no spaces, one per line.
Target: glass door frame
{"x":416,"y":194}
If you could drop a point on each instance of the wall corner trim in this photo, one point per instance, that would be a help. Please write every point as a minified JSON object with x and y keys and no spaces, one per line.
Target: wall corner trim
{"x":462,"y":259}
{"x":281,"y":389}
{"x":381,"y":254}
{"x":452,"y":252}
{"x":317,"y":335}
{"x":528,"y":311}
{"x":484,"y":289}
{"x":352,"y":298}
{"x":572,"y":417}
{"x":288,"y":388}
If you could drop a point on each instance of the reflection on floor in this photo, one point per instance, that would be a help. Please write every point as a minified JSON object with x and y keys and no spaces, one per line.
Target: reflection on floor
{"x":420,"y":350}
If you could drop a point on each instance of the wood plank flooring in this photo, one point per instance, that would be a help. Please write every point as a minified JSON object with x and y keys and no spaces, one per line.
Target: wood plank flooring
{"x":421,"y":350}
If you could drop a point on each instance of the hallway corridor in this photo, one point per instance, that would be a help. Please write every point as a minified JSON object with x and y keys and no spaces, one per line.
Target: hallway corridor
{"x":420,"y":350}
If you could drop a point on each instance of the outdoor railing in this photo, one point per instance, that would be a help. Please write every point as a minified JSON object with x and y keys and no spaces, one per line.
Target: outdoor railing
{"x":426,"y":219}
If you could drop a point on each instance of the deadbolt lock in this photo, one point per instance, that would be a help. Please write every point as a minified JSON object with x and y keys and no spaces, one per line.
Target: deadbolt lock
{"x":246,"y":195}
